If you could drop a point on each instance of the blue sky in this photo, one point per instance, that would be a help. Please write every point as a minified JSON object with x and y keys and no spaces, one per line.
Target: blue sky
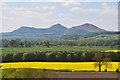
{"x":69,"y":13}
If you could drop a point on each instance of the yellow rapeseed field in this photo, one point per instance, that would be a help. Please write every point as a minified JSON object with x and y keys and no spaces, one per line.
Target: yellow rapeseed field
{"x":112,"y":51}
{"x":59,"y":65}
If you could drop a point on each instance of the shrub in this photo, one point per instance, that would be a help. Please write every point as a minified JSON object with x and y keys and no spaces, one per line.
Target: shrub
{"x":105,"y":70}
{"x":117,"y":70}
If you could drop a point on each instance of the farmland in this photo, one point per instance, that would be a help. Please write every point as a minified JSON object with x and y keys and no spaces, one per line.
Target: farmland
{"x":49,"y":57}
{"x":56,"y":70}
{"x":72,"y":66}
{"x":54,"y":48}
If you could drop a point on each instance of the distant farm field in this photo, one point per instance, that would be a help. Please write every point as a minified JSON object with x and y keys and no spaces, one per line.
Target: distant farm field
{"x":54,"y":48}
{"x":74,"y":66}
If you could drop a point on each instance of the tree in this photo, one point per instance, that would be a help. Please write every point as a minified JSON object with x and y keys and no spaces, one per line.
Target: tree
{"x":48,"y":56}
{"x":107,"y":61}
{"x":59,"y":56}
{"x":64,"y":55}
{"x":101,"y":59}
{"x":17,"y":57}
{"x":69,"y":57}
{"x":39,"y":56}
{"x":83,"y":55}
{"x":28,"y":57}
{"x":47,"y":43}
{"x":5,"y":43}
{"x":98,"y":59}
{"x":7,"y":57}
{"x":89,"y":56}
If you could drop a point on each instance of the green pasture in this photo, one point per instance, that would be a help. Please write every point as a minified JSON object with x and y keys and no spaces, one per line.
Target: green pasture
{"x":53,"y":48}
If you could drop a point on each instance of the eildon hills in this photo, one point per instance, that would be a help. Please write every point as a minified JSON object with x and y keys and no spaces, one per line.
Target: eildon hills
{"x":56,"y":31}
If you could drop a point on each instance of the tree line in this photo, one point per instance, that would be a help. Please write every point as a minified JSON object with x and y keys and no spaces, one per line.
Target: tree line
{"x":58,"y":56}
{"x":113,"y":43}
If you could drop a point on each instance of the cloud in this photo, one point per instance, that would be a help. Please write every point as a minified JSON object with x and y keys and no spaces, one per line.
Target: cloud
{"x":32,"y":19}
{"x":71,"y":3}
{"x":20,"y":16}
{"x":2,"y":3}
{"x":48,"y":0}
{"x":37,"y":8}
{"x":104,"y":10}
{"x":75,"y":0}
{"x":37,"y":0}
{"x":45,"y":8}
{"x":24,"y":12}
{"x":56,"y":0}
{"x":78,"y":9}
{"x":1,"y":23}
{"x":108,"y":10}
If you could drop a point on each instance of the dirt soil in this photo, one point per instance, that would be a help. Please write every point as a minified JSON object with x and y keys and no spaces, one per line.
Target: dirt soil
{"x":86,"y":75}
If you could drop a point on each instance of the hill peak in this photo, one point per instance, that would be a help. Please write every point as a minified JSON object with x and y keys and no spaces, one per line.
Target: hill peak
{"x":58,"y":26}
{"x":25,"y":27}
{"x":88,"y":24}
{"x":87,"y":27}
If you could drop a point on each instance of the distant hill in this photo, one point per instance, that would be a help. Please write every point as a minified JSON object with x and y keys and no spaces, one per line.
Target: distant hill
{"x":54,"y":32}
{"x":84,"y":30}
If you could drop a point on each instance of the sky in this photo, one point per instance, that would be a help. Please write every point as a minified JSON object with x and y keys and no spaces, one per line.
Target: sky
{"x":43,"y":14}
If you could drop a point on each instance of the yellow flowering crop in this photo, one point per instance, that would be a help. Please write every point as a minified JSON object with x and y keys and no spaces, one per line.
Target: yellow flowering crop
{"x":112,"y":51}
{"x":59,"y":65}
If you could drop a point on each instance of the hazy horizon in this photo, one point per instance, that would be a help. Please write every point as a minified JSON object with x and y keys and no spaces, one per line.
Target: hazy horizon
{"x":45,"y":14}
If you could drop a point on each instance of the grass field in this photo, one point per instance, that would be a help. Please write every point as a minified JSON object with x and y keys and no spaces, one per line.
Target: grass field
{"x":74,"y":66}
{"x":53,"y":48}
